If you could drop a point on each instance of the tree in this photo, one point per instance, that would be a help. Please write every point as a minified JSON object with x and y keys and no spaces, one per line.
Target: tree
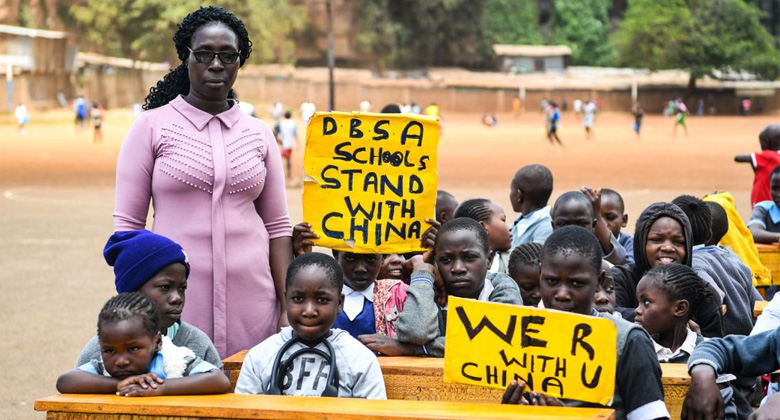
{"x":376,"y":34}
{"x":698,"y":35}
{"x":511,"y":22}
{"x":142,"y":29}
{"x":584,"y":26}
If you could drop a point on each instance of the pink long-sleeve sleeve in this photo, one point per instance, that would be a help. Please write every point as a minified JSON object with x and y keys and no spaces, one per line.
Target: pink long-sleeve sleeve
{"x":134,"y":175}
{"x":271,"y":205}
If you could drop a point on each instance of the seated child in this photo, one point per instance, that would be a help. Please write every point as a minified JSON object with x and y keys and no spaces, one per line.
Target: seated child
{"x":732,"y":279}
{"x":764,"y":223}
{"x":137,"y":360}
{"x":583,"y":208}
{"x":335,"y":363}
{"x":613,"y":211}
{"x":492,"y":217}
{"x":604,"y":299}
{"x":445,"y":206}
{"x":461,"y":255}
{"x":529,"y":193}
{"x":738,"y":355}
{"x":571,"y":267}
{"x":156,"y":267}
{"x":663,"y":236}
{"x":763,"y":163}
{"x":524,"y":265}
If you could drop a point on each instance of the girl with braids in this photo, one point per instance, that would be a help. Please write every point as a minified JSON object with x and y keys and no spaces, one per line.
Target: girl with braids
{"x":218,"y":185}
{"x":492,"y":217}
{"x":525,"y":264}
{"x":137,"y":361}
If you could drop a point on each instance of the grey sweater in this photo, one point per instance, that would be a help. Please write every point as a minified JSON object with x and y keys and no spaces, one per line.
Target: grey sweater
{"x":719,"y":266}
{"x":423,"y":321}
{"x":188,"y":336}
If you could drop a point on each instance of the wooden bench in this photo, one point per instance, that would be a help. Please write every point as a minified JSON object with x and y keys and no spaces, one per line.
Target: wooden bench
{"x":759,"y":307}
{"x":422,"y":379}
{"x":769,"y":254}
{"x":233,"y":406}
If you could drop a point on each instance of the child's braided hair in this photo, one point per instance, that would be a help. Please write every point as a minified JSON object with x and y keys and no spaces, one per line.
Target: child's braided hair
{"x":125,"y":306}
{"x":528,"y":254}
{"x":476,"y":208}
{"x":681,"y":282}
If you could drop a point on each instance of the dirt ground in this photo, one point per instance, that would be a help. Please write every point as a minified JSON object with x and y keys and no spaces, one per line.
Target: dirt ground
{"x":57,"y":199}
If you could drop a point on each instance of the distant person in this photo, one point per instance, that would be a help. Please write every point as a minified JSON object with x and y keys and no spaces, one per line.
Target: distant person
{"x":446,"y":204}
{"x":432,"y":110}
{"x":680,"y":114}
{"x":288,"y":136}
{"x":763,"y":163}
{"x":365,"y":106}
{"x":307,"y":111}
{"x":639,"y":114}
{"x":97,"y":114}
{"x":516,"y":107}
{"x":405,"y":108}
{"x":529,"y":192}
{"x":80,"y":107}
{"x":489,"y":119}
{"x":577,"y":105}
{"x":553,"y":122}
{"x":564,"y":105}
{"x":669,"y":110}
{"x":277,"y":111}
{"x":711,"y":105}
{"x":246,"y":107}
{"x":545,"y":104}
{"x":589,"y":110}
{"x":391,"y":109}
{"x":415,"y":108}
{"x":700,"y":108}
{"x":22,"y":117}
{"x":746,"y":107}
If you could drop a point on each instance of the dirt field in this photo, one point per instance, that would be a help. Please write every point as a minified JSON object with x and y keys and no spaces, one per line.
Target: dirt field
{"x":57,"y":199}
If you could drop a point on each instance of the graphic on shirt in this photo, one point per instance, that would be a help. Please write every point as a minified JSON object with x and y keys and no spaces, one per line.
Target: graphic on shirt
{"x":370,"y":180}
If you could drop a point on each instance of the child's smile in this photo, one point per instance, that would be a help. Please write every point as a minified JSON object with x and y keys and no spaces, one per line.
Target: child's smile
{"x":313,"y":302}
{"x":665,"y":242}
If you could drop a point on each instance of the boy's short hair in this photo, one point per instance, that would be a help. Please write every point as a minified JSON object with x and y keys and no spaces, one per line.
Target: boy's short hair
{"x":528,"y":254}
{"x":769,"y":138}
{"x":464,"y":223}
{"x":137,"y":255}
{"x":325,"y":263}
{"x":606,"y":192}
{"x":574,"y":240}
{"x":572,"y":196}
{"x":720,"y":221}
{"x":391,"y":109}
{"x":536,"y":183}
{"x":698,"y":214}
{"x":126,"y":306}
{"x":287,"y":114}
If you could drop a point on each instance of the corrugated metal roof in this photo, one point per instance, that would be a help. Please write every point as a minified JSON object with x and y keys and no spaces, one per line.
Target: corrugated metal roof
{"x":32,"y":32}
{"x":531,"y":50}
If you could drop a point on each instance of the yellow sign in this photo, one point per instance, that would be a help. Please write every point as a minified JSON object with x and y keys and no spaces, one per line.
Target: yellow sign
{"x":370,"y":180}
{"x":559,"y":354}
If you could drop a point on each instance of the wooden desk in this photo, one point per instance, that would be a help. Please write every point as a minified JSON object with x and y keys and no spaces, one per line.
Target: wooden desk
{"x":769,"y":254}
{"x":759,"y":307}
{"x":422,"y":379}
{"x":232,"y":406}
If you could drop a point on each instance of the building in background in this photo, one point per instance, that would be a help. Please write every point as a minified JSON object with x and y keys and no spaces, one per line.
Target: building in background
{"x":532,"y":58}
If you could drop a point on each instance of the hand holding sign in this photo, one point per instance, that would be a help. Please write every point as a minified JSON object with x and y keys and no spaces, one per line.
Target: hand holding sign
{"x":370,"y":180}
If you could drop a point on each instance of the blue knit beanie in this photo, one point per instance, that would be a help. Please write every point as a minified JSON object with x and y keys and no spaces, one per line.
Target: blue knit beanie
{"x":137,"y":255}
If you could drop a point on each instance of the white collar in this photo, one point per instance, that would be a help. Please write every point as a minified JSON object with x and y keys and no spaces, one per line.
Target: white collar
{"x":687,"y":346}
{"x":354,"y":299}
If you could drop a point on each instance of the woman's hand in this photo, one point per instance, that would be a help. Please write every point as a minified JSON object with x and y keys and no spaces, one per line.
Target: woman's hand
{"x":302,"y":239}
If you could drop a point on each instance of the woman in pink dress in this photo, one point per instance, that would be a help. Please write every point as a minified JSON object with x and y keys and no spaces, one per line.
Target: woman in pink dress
{"x":215,"y":178}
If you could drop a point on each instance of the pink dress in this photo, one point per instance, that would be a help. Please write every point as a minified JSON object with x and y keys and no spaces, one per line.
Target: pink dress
{"x":217,"y":187}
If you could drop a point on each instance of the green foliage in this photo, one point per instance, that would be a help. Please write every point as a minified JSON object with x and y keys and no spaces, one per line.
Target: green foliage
{"x":584,"y":26}
{"x":699,"y":35}
{"x":511,"y":22}
{"x":376,"y":33}
{"x":142,"y":29}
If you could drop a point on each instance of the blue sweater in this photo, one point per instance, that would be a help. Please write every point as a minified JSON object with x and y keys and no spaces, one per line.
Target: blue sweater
{"x":740,"y":355}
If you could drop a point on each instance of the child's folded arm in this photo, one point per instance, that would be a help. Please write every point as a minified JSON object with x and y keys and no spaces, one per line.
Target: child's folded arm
{"x":617,"y":255}
{"x":418,"y":323}
{"x":740,"y":355}
{"x":211,"y":382}
{"x":78,"y":381}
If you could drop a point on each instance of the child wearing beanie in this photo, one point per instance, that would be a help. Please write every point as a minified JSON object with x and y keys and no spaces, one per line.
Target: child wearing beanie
{"x":158,"y":268}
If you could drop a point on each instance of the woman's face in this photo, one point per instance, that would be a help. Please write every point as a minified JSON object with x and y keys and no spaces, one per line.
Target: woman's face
{"x":212,"y":81}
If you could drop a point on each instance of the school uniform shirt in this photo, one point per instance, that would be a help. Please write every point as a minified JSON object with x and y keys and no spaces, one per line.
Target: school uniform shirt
{"x":666,"y":355}
{"x":170,"y":362}
{"x":535,"y":226}
{"x":763,"y":163}
{"x":359,"y":372}
{"x":500,"y":262}
{"x":357,"y":316}
{"x":627,"y":242}
{"x":767,"y":215}
{"x":769,"y":319}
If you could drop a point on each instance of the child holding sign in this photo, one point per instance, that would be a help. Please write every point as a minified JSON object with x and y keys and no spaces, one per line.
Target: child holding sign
{"x":335,"y":364}
{"x":571,"y":268}
{"x":460,"y":254}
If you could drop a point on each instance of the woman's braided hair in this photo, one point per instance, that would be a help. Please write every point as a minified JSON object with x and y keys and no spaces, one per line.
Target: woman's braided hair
{"x":177,"y":81}
{"x":125,"y":306}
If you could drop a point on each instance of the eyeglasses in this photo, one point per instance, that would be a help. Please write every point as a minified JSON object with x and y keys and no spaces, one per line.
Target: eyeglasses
{"x":206,"y":56}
